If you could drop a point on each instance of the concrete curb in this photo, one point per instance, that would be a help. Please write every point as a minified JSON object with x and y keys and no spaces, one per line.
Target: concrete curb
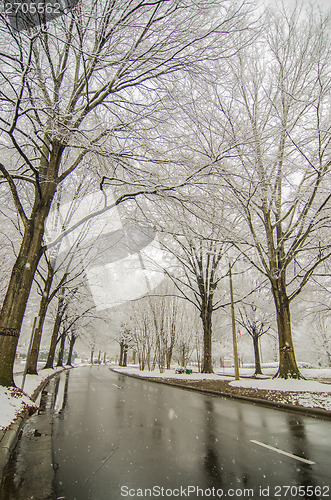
{"x":311,"y":412}
{"x":8,"y":442}
{"x":9,"y":437}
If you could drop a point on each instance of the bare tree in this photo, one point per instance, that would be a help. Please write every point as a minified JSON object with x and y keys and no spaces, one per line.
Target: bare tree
{"x":74,"y":317}
{"x":276,"y":172}
{"x":60,"y":311}
{"x":162,"y":328}
{"x":72,"y":337}
{"x":143,"y":338}
{"x":321,"y":337}
{"x":255,"y":327}
{"x":197,"y":270}
{"x":126,"y":341}
{"x":65,"y":265}
{"x":68,"y":92}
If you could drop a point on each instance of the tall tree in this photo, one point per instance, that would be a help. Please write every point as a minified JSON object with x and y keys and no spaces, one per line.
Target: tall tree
{"x":272,"y":112}
{"x":255,"y":327}
{"x":196,"y":272}
{"x":69,"y":89}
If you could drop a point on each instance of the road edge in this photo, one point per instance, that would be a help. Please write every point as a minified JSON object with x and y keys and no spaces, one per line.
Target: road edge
{"x":9,"y":437}
{"x":311,"y":412}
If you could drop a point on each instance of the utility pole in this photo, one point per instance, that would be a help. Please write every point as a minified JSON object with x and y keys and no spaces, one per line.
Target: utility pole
{"x":234,"y":333}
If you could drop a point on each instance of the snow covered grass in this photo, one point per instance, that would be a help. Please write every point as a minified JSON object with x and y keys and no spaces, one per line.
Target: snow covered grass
{"x":278,"y":384}
{"x":134,"y":370}
{"x":311,"y":400}
{"x":228,"y":374}
{"x":269,"y":371}
{"x":316,"y":373}
{"x":13,"y":401}
{"x":307,"y":393}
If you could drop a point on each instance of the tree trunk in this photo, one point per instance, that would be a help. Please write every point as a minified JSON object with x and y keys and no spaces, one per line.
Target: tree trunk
{"x":170,"y":349}
{"x":258,"y":370}
{"x":207,"y":363}
{"x":13,"y":309}
{"x":92,"y":355}
{"x":148,"y":358}
{"x":55,"y":333}
{"x":141,"y":363}
{"x":162,"y":354}
{"x":125,"y":355}
{"x":33,"y":359}
{"x":197,"y":347}
{"x":18,"y":291}
{"x":287,"y":361}
{"x":183,"y":355}
{"x":155,"y":357}
{"x":71,"y":348}
{"x":169,"y":356}
{"x":121,"y":354}
{"x":61,"y":350}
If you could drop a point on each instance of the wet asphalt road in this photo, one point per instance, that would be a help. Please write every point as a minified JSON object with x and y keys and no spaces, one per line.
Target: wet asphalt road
{"x":115,"y":436}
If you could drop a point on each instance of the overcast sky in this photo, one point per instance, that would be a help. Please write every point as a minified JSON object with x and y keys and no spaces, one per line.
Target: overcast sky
{"x":325,"y":4}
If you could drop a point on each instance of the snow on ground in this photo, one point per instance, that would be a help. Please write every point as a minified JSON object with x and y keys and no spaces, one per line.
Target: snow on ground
{"x":134,"y":370}
{"x":310,"y":400}
{"x":268,"y":371}
{"x":316,"y":373}
{"x":264,"y":382}
{"x":13,"y":401}
{"x":307,"y":393}
{"x":278,"y":384}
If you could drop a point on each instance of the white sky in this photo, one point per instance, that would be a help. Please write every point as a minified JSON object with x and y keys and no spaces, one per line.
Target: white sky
{"x":325,"y":4}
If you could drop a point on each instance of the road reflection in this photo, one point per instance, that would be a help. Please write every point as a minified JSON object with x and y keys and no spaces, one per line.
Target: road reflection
{"x":212,"y":461}
{"x":300,"y":447}
{"x":111,"y":430}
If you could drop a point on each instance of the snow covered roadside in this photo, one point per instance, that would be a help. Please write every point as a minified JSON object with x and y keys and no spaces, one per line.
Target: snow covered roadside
{"x":134,"y":370}
{"x":302,"y":393}
{"x":289,"y":385}
{"x":307,"y":393}
{"x":13,"y":401}
{"x":308,"y":373}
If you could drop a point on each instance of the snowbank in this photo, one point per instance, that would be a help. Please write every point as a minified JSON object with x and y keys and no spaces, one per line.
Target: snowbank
{"x":134,"y":370}
{"x":307,"y":393}
{"x":263,"y":382}
{"x":13,"y":401}
{"x":278,"y":384}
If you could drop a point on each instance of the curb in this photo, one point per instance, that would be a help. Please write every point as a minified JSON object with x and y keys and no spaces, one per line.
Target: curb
{"x":8,"y":442}
{"x":310,"y":412}
{"x":10,"y":436}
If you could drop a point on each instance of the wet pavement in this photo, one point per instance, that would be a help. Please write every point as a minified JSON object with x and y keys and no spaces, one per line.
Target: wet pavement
{"x":30,"y":473}
{"x":118,"y":437}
